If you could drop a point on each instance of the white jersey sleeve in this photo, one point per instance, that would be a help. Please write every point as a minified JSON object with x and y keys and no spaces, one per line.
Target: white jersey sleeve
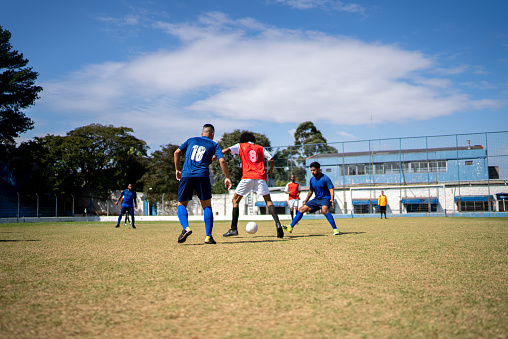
{"x":235,"y":149}
{"x":268,"y":156}
{"x":286,"y":188}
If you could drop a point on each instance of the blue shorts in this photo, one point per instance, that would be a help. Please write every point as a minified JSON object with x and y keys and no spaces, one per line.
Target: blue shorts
{"x":190,"y":184}
{"x":316,"y":204}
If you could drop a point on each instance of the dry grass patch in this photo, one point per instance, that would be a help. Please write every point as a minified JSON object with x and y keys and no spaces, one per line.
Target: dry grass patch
{"x":414,"y":277}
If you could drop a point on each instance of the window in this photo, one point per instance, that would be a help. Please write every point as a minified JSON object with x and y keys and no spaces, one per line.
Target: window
{"x":469,"y":162}
{"x":420,"y":208}
{"x":472,"y":206}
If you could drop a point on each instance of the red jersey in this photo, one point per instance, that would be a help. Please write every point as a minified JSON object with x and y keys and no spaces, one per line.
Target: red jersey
{"x":253,"y":160}
{"x":293,"y":188}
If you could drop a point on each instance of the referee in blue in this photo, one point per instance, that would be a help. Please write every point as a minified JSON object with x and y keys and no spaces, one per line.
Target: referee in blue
{"x":322,"y":186}
{"x":195,"y":176}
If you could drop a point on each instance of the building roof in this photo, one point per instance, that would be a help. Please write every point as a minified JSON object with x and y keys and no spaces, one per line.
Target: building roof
{"x":404,"y":151}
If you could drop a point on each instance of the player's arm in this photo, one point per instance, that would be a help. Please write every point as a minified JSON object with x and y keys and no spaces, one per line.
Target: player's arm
{"x":332,"y":197}
{"x":226,"y":151}
{"x":225,"y":169}
{"x":120,"y":197}
{"x":272,"y":165}
{"x":308,"y":196}
{"x":135,"y":200}
{"x":178,"y":169}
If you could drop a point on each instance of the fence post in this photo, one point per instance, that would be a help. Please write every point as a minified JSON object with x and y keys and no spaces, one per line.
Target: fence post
{"x":37,"y":194}
{"x":72,"y":205}
{"x":56,"y":206}
{"x":18,"y":203}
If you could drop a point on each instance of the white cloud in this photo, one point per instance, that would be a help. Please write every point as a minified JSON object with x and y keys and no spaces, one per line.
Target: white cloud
{"x":326,"y":4}
{"x":234,"y":73}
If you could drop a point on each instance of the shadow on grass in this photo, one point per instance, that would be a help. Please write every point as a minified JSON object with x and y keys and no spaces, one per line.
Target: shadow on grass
{"x":17,"y":240}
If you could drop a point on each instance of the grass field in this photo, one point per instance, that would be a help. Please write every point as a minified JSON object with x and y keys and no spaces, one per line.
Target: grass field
{"x":401,"y":277}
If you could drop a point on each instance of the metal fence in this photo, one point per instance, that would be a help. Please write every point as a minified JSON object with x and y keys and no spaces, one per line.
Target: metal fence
{"x":431,"y":174}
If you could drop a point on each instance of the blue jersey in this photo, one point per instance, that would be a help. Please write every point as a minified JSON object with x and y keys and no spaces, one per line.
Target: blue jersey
{"x":128,"y":198}
{"x":199,"y":152}
{"x":321,"y":187}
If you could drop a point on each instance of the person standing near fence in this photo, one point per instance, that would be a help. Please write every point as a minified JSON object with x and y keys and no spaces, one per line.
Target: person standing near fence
{"x":382,"y":201}
{"x":129,"y":202}
{"x":195,"y":176}
{"x":293,"y":189}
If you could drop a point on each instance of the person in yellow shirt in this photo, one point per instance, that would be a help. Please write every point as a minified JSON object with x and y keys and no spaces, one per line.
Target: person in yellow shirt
{"x":382,"y":201}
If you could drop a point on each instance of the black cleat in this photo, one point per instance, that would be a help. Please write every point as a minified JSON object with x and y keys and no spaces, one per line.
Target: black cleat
{"x":117,"y":225}
{"x":210,"y":241}
{"x":280,"y":232}
{"x":182,"y":237}
{"x":230,"y":233}
{"x":133,"y":226}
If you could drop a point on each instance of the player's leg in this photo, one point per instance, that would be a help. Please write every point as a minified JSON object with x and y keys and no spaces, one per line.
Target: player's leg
{"x":271,"y":209}
{"x":326,"y":211}
{"x":185,"y":190}
{"x":304,"y":209}
{"x":204,"y":192}
{"x":122,"y":211}
{"x":236,"y":214}
{"x":243,"y":188}
{"x":131,"y":212}
{"x":208,"y":219}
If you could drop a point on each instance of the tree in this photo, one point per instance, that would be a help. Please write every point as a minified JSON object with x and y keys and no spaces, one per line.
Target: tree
{"x":93,"y":159}
{"x":234,"y":163}
{"x":311,"y":139}
{"x":160,"y":174}
{"x":17,"y":90}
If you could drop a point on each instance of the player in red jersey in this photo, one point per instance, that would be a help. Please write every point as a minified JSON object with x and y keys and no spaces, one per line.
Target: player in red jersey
{"x":293,"y":189}
{"x":254,"y":178}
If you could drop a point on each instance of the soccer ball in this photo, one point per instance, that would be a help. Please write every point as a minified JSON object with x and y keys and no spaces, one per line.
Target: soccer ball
{"x":251,"y":227}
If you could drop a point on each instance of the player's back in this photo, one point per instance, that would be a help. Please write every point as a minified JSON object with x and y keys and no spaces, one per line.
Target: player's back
{"x":199,"y":152}
{"x":253,"y":161}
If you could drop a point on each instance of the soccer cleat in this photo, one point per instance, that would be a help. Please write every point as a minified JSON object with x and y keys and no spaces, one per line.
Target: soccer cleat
{"x":182,"y":237}
{"x":288,"y":229}
{"x":125,"y":224}
{"x":209,"y":240}
{"x":280,"y":232}
{"x":336,"y":232}
{"x":117,"y":225}
{"x":230,"y":233}
{"x":133,"y":226}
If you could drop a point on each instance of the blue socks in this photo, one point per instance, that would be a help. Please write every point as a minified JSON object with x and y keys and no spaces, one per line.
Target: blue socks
{"x":329,"y":216}
{"x":297,"y":218}
{"x":183,"y":216}
{"x":208,"y":216}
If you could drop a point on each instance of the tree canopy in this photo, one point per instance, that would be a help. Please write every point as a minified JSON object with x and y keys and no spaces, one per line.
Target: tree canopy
{"x":17,"y":90}
{"x":94,"y":159}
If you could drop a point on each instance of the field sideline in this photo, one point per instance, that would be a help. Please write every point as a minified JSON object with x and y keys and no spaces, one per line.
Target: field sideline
{"x":401,"y":277}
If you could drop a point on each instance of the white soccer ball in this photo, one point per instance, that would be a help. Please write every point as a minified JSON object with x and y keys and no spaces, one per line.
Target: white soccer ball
{"x":251,"y":227}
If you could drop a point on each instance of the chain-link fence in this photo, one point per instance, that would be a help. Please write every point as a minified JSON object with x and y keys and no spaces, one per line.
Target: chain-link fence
{"x":463,"y":173}
{"x":431,"y":174}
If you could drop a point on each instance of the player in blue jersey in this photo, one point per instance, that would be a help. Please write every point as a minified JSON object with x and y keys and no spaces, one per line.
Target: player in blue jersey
{"x":195,"y":176}
{"x":129,"y":202}
{"x":322,"y":186}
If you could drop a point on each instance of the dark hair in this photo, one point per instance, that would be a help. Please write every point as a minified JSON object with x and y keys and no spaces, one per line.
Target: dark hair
{"x":209,"y":127}
{"x":247,"y":137}
{"x":315,"y":164}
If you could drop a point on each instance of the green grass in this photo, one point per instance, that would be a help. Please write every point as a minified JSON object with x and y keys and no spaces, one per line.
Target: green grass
{"x":401,"y":277}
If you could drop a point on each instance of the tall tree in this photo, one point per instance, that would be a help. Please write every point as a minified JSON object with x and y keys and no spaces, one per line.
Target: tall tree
{"x":17,"y":90}
{"x":160,"y":174}
{"x":312,"y":140}
{"x":93,"y":159}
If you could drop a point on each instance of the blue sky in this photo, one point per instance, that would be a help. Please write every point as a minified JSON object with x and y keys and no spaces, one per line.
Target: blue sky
{"x":355,"y":68}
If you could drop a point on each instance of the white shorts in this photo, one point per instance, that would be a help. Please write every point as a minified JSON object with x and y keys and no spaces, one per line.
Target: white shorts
{"x":293,"y":203}
{"x":246,"y":185}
